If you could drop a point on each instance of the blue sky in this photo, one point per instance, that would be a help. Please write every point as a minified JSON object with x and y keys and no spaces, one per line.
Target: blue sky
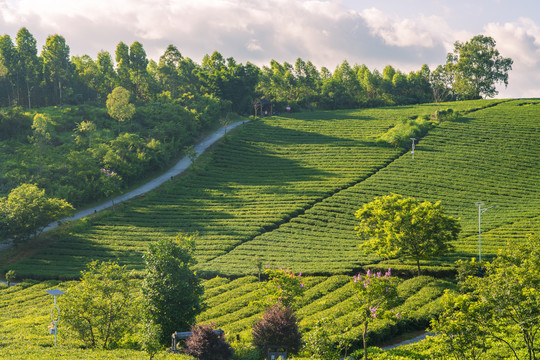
{"x":404,"y":34}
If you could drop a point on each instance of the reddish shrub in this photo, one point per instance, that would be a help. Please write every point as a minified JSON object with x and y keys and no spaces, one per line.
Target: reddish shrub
{"x":277,"y":327}
{"x":205,"y":344}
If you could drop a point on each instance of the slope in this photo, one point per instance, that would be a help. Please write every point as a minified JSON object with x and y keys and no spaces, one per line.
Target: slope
{"x":269,"y":172}
{"x":489,"y":155}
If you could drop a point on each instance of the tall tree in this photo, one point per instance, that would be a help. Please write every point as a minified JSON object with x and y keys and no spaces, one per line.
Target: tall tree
{"x":8,"y":69}
{"x":122,"y":65}
{"x":137,"y":65}
{"x":28,"y":64}
{"x":395,"y":226}
{"x":172,"y":292}
{"x":56,"y":63}
{"x":167,"y":70}
{"x":106,"y":67}
{"x":478,"y":66}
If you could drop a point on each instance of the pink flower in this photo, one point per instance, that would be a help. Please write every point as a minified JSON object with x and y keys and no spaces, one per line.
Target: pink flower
{"x":301,"y":285}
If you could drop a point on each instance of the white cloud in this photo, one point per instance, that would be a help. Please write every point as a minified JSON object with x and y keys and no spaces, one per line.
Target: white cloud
{"x":519,"y":41}
{"x":325,"y":32}
{"x":424,"y":31}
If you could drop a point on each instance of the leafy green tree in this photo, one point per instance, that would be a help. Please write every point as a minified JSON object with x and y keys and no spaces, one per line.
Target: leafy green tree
{"x":377,"y":295}
{"x":503,"y":306}
{"x":118,"y":105}
{"x":43,"y":127}
{"x":283,"y":287}
{"x":26,"y":211}
{"x":171,"y":290}
{"x":457,"y":327}
{"x":395,"y":226}
{"x":137,"y":65}
{"x":57,"y":66}
{"x":167,"y":70}
{"x":8,"y":69}
{"x":88,"y":79}
{"x":100,"y":309}
{"x":106,"y":68}
{"x":84,"y":132}
{"x":477,"y":67}
{"x":122,"y":66}
{"x":10,"y":277}
{"x":28,"y":63}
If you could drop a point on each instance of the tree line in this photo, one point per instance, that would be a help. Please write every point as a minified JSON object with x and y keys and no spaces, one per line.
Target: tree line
{"x":53,"y":77}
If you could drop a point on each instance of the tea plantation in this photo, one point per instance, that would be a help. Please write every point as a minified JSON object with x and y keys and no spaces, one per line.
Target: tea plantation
{"x":282,"y":191}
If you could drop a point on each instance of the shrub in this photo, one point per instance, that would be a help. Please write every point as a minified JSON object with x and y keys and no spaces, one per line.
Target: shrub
{"x":205,"y":344}
{"x":400,"y":134}
{"x":277,"y":327}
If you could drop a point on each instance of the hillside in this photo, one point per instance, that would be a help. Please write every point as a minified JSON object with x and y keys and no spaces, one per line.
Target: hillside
{"x":285,"y":189}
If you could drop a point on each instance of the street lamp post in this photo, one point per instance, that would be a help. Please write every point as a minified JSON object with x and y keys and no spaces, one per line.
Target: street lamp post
{"x":55,"y":314}
{"x":480,"y":212}
{"x":412,"y":152}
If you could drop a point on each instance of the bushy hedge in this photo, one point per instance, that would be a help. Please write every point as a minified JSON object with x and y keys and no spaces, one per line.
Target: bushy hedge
{"x":401,"y":134}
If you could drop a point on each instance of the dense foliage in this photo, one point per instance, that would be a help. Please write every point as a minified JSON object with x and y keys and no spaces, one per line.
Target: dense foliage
{"x":64,"y":149}
{"x":26,"y":211}
{"x":500,"y":310}
{"x":397,"y":226}
{"x":171,"y":291}
{"x":99,"y":311}
{"x":53,"y":78}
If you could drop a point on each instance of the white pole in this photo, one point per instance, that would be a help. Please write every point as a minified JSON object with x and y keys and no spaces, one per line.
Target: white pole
{"x":55,"y":326}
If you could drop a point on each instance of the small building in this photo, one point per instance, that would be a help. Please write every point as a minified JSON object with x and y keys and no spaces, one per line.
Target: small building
{"x":263,"y":107}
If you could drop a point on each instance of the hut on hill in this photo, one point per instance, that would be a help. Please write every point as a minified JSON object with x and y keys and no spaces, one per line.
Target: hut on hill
{"x":263,"y":107}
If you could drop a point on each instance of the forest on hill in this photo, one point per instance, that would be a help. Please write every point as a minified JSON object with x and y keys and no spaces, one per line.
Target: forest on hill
{"x":54,"y":77}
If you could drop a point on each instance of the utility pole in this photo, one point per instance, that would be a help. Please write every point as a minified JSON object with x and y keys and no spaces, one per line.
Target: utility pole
{"x":480,"y":212}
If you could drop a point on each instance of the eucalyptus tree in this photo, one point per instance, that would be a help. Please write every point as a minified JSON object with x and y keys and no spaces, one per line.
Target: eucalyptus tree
{"x":167,"y":70}
{"x":122,"y":66}
{"x":28,"y":64}
{"x":477,"y":67}
{"x":106,"y":68}
{"x":137,"y":66}
{"x":8,"y":68}
{"x":56,"y":64}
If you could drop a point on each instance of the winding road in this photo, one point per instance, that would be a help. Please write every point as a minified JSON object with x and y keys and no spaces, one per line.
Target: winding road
{"x":177,"y":169}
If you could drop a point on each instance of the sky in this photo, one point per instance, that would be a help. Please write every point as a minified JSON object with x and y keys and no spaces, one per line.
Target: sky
{"x":404,"y":34}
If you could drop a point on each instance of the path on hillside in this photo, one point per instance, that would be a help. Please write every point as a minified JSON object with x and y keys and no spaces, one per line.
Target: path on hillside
{"x":177,"y":169}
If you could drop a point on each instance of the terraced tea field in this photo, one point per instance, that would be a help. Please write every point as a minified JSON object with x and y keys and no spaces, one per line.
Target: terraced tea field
{"x":25,"y":309}
{"x":490,"y":155}
{"x":285,"y":189}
